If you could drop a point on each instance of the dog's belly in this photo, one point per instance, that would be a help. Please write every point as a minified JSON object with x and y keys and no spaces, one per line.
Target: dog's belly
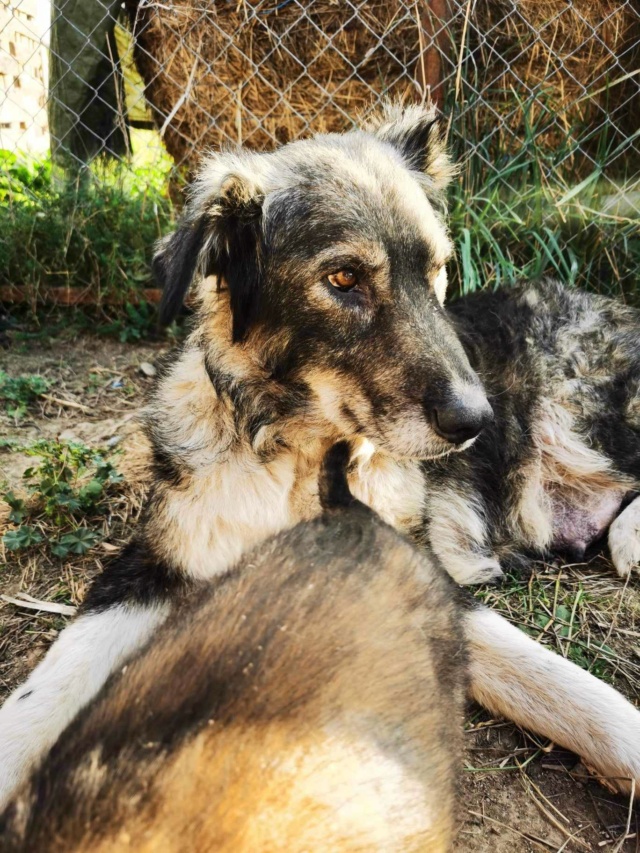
{"x":581,"y":519}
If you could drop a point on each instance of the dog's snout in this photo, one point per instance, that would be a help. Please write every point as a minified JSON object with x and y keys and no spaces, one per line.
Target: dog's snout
{"x":460,"y":417}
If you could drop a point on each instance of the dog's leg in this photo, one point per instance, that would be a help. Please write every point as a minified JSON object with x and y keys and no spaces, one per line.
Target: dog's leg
{"x":459,"y":537}
{"x":514,"y":676}
{"x":624,"y":539}
{"x":72,"y":672}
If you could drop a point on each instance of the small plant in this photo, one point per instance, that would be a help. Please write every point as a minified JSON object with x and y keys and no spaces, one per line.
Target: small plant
{"x":19,"y":392}
{"x":69,"y":490}
{"x":136,"y":323}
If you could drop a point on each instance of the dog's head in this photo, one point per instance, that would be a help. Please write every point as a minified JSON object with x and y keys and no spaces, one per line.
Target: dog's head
{"x":329,"y":257}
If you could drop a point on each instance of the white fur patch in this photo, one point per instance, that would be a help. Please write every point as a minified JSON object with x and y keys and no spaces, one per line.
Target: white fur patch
{"x":513,"y":675}
{"x":72,"y":672}
{"x":458,"y":535}
{"x":225,"y":511}
{"x":394,"y":488}
{"x":377,"y":803}
{"x":440,"y":284}
{"x":624,"y":539}
{"x":567,"y":460}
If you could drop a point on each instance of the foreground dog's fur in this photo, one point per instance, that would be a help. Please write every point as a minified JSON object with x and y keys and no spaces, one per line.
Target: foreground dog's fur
{"x":321,"y":278}
{"x":311,"y":699}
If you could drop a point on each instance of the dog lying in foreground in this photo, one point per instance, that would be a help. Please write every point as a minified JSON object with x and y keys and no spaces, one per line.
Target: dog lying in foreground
{"x":505,"y":429}
{"x":310,"y":699}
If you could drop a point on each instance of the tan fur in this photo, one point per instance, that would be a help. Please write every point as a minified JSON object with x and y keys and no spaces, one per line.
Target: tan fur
{"x":327,"y":794}
{"x":339,"y":730}
{"x":565,"y":469}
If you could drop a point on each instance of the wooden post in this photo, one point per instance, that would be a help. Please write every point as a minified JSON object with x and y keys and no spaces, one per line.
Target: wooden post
{"x":435,"y":16}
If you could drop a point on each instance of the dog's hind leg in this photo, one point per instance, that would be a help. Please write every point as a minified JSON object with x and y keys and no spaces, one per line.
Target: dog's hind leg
{"x":624,"y":539}
{"x":514,"y":676}
{"x":72,"y":672}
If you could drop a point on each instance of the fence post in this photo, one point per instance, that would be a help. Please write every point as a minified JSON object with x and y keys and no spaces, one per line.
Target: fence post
{"x":433,"y":20}
{"x":85,"y":85}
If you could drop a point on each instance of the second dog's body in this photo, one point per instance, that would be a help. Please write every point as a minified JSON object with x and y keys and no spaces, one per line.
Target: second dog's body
{"x":551,"y":474}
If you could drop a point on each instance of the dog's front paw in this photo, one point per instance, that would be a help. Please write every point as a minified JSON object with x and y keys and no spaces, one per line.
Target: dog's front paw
{"x":624,"y":539}
{"x":476,"y":570}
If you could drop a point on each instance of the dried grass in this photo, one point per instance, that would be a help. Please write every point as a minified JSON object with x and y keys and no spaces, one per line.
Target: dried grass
{"x":315,"y":70}
{"x":576,"y":56}
{"x":262,"y":73}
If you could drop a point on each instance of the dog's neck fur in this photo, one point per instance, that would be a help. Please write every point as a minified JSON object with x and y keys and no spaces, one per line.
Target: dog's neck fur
{"x":236,"y":469}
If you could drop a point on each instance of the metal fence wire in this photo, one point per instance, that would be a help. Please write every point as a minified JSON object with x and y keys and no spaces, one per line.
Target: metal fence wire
{"x":541,"y":98}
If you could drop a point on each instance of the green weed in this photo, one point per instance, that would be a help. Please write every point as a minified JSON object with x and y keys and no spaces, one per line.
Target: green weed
{"x":68,"y":494}
{"x":19,"y":392}
{"x":531,"y":203}
{"x":135,"y":323}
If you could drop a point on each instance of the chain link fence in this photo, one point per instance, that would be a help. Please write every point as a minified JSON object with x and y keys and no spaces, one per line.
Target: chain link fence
{"x":540,"y":98}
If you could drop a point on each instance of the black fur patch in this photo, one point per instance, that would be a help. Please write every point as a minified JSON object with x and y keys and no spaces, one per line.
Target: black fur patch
{"x":134,"y":576}
{"x":240,"y":266}
{"x":175,"y":266}
{"x":333,"y":486}
{"x":233,"y":255}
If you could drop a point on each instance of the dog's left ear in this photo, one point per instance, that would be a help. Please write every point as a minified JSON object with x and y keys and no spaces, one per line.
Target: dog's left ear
{"x":415,"y":132}
{"x":220,"y":235}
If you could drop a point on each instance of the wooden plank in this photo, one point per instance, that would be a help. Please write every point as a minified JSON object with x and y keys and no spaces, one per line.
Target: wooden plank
{"x":71,"y":296}
{"x":435,"y":41}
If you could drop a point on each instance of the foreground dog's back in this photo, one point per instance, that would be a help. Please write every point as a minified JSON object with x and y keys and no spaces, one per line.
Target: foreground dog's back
{"x":310,"y":700}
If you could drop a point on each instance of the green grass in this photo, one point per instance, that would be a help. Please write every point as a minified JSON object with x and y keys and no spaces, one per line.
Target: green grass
{"x":531,"y":203}
{"x":527,"y":203}
{"x":94,"y":233}
{"x":572,"y":610}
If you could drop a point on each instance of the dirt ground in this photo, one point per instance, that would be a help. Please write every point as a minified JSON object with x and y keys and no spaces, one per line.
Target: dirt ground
{"x":518,"y":793}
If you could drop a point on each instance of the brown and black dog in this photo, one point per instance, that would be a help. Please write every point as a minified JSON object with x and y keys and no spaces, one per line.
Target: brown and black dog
{"x":309,"y":700}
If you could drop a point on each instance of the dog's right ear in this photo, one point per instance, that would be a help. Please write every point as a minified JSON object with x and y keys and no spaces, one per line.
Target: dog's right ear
{"x":220,"y":235}
{"x":415,"y":133}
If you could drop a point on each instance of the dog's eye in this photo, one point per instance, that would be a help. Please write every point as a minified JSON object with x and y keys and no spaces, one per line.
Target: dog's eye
{"x":344,"y":280}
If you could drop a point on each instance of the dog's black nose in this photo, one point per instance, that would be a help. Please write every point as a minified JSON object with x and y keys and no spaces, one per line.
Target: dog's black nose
{"x":461,"y":416}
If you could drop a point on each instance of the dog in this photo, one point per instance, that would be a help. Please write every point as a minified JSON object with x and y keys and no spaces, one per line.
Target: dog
{"x":558,"y":468}
{"x":311,"y":698}
{"x":320,"y":273}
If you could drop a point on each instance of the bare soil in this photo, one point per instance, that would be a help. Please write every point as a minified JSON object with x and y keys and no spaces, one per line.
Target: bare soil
{"x":517,"y":793}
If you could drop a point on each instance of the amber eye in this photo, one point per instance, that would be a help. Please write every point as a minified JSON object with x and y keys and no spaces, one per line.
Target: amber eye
{"x":343,"y":279}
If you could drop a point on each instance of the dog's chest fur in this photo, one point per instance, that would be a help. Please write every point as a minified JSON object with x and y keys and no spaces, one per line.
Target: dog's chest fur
{"x":222,"y":495}
{"x":226,"y":511}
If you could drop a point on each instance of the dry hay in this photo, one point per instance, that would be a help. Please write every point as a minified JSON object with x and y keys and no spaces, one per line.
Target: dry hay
{"x":315,"y":69}
{"x":261,"y":71}
{"x":573,"y":55}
